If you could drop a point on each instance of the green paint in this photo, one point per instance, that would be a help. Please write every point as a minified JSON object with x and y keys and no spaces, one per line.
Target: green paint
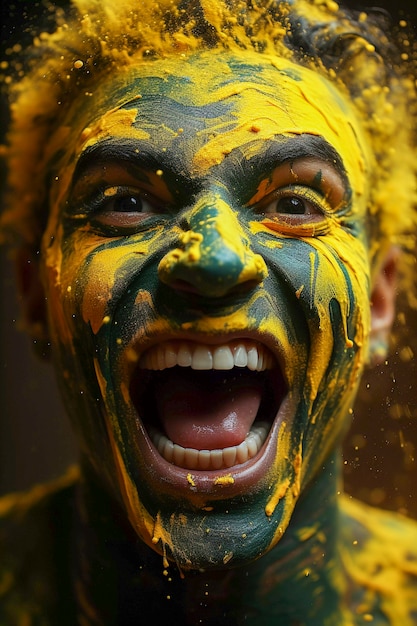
{"x":165,"y":226}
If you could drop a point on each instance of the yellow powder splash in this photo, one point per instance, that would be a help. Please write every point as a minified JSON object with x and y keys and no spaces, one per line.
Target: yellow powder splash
{"x":66,"y":66}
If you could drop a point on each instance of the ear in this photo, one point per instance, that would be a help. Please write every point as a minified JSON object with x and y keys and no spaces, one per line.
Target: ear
{"x":32,"y":300}
{"x":383,"y":307}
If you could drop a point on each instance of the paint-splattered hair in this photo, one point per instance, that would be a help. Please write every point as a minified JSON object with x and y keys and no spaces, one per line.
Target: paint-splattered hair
{"x":97,"y":37}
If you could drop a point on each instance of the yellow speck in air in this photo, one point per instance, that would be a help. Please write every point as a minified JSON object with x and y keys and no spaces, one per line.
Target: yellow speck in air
{"x":131,"y":356}
{"x":159,"y":172}
{"x":190,"y":479}
{"x":208,"y":508}
{"x":224,"y":480}
{"x":106,"y":319}
{"x":78,"y":64}
{"x":119,"y":341}
{"x":69,"y":288}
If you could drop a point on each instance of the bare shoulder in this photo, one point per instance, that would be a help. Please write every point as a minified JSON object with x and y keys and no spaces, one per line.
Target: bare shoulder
{"x":34,"y":534}
{"x":379,"y":554}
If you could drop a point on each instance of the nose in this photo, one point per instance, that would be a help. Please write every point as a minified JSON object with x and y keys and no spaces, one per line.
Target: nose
{"x":213,"y":256}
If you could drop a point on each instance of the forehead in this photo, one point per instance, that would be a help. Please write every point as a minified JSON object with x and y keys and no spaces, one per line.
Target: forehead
{"x":211,"y":104}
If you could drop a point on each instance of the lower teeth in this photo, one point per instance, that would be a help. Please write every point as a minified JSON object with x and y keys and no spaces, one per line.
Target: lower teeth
{"x":190,"y":458}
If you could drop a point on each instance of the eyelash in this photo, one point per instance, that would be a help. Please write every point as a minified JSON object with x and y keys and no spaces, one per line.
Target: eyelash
{"x":101,"y":210}
{"x":106,"y":195}
{"x":303,"y":193}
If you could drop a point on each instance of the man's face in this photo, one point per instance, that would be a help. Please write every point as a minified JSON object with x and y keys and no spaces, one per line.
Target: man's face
{"x":207,"y":277}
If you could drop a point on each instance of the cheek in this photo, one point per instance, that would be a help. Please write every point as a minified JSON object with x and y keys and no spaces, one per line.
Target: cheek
{"x":100,"y":275}
{"x":327,"y":284}
{"x":87,"y":274}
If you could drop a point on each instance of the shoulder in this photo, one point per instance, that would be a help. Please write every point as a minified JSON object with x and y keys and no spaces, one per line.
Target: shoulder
{"x":379,"y":554}
{"x":34,"y":539}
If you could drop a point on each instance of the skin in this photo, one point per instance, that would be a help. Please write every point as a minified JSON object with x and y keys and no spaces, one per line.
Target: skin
{"x":119,"y":282}
{"x":233,"y":213}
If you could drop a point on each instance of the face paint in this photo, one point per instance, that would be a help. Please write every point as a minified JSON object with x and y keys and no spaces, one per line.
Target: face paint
{"x":207,"y":276}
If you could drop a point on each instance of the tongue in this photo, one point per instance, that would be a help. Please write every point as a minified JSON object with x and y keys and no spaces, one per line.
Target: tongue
{"x":207,"y":410}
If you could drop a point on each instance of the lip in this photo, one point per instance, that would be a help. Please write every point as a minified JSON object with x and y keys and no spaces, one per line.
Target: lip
{"x":213,"y":484}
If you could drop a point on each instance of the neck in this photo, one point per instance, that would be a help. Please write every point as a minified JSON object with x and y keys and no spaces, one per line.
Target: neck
{"x":298,"y":581}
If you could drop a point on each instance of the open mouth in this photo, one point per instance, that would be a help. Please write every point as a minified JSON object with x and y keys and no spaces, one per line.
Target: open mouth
{"x":208,"y":407}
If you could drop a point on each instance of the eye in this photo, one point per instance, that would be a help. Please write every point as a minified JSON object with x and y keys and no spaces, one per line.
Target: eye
{"x":123,"y":210}
{"x":292,"y":206}
{"x":120,"y":200}
{"x":295,"y":200}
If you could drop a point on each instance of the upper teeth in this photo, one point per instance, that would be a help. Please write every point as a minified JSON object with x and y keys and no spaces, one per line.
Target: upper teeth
{"x":240,"y":353}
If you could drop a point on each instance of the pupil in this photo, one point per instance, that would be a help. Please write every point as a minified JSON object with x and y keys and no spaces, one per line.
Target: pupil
{"x":128,"y":204}
{"x":291,"y":205}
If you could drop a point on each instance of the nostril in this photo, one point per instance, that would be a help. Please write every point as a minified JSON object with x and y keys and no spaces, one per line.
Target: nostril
{"x":184,"y":285}
{"x":187,"y":287}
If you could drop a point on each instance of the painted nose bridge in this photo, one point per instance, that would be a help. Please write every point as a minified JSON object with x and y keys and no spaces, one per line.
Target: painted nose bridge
{"x":214,"y":256}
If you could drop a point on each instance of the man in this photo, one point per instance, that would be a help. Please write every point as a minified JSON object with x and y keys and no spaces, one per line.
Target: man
{"x":205,"y":197}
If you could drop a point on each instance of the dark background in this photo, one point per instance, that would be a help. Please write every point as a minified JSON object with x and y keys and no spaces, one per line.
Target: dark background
{"x":35,"y":439}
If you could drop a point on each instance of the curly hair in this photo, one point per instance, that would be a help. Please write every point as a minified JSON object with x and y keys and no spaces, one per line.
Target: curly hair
{"x":350,"y":48}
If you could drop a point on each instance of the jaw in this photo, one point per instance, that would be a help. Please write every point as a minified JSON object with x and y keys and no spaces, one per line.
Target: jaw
{"x":238,"y":497}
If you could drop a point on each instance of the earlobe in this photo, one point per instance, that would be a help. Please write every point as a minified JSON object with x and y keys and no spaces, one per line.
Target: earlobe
{"x":383,"y":307}
{"x":32,"y":300}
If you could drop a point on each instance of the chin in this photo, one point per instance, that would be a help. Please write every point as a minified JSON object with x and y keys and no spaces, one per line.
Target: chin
{"x":206,"y":451}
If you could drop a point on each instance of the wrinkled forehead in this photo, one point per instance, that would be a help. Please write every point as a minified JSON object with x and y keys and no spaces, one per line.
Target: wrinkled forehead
{"x":239,"y":98}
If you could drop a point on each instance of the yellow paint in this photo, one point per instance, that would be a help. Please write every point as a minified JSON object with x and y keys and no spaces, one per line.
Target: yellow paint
{"x":280,"y":490}
{"x":227,"y":227}
{"x":384,"y":565}
{"x":349,"y":128}
{"x":224,"y":480}
{"x":104,"y":267}
{"x":280,"y":474}
{"x":190,"y":479}
{"x":297,"y":465}
{"x":277,"y":117}
{"x":115,"y":123}
{"x":189,"y":253}
{"x":30,"y":498}
{"x":98,"y":30}
{"x":227,"y":557}
{"x":307,"y":532}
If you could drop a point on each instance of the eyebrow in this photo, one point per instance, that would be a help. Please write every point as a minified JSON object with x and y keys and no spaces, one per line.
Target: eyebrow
{"x":289,"y":149}
{"x":242,"y":173}
{"x":113,"y":150}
